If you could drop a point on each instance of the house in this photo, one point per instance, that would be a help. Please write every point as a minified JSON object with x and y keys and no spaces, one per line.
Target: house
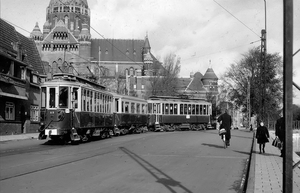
{"x":21,"y":71}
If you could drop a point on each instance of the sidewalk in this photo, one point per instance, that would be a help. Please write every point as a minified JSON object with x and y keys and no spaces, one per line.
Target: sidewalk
{"x":18,"y":137}
{"x":266,"y":170}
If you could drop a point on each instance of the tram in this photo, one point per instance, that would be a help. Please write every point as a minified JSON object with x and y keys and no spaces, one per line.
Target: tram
{"x":130,"y":114}
{"x":74,"y":109}
{"x":169,"y":113}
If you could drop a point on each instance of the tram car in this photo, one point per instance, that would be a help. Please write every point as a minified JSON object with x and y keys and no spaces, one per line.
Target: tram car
{"x":130,"y":114}
{"x":178,"y":113}
{"x":75,"y":109}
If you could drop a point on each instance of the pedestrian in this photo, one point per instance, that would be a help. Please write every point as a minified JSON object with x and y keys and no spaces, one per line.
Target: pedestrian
{"x":251,"y":129}
{"x":262,"y":135}
{"x":280,"y":132}
{"x":225,"y":121}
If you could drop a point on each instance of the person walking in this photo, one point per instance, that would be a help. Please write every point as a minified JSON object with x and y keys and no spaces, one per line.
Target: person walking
{"x":262,"y":135}
{"x":280,"y":132}
{"x":225,"y":121}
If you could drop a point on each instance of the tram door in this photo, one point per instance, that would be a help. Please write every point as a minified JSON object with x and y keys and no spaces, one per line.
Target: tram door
{"x":157,"y":112}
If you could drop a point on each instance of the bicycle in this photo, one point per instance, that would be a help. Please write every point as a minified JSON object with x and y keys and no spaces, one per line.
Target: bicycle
{"x":222,"y":133}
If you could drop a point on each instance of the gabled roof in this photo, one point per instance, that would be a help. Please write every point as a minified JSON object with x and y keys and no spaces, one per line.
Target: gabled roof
{"x":32,"y":57}
{"x":196,"y":83}
{"x":117,"y":50}
{"x":8,"y":36}
{"x":60,"y":27}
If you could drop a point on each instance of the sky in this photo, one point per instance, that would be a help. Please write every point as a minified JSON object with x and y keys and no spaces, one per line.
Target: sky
{"x":203,"y":33}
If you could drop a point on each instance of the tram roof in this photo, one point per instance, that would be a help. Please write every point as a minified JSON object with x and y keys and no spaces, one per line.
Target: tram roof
{"x":71,"y":79}
{"x":115,"y":95}
{"x":177,"y":99}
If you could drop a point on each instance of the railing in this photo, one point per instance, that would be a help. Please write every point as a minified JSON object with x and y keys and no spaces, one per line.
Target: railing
{"x":295,"y":125}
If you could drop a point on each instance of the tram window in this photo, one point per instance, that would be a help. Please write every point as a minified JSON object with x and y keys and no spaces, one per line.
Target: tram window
{"x":132,"y":107}
{"x":193,"y":109}
{"x":138,"y":107}
{"x":97,"y":104}
{"x":52,"y":97}
{"x":150,"y":108}
{"x":109,"y":104}
{"x":95,"y":101}
{"x":91,"y":100}
{"x":75,"y":98}
{"x":105,"y":104}
{"x":87,"y":100}
{"x":197,"y":109}
{"x":171,"y":109}
{"x":116,"y":105}
{"x":167,"y":109}
{"x":144,"y":108}
{"x":181,"y":109}
{"x":123,"y":107}
{"x":189,"y":109}
{"x":63,"y":97}
{"x":185,"y":109}
{"x":83,"y":100}
{"x":175,"y":109}
{"x":204,"y":109}
{"x":43,"y":97}
{"x":126,"y":107}
{"x":201,"y":109}
{"x":101,"y":103}
{"x":158,"y":108}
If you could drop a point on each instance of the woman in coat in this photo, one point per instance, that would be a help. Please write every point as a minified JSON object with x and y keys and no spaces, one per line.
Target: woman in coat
{"x":262,"y":135}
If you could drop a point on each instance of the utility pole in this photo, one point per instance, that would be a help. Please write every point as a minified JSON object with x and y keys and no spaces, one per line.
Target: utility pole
{"x":287,"y":173}
{"x":262,"y":74}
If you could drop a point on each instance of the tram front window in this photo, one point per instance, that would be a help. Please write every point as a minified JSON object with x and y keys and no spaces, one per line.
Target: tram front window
{"x":52,"y":97}
{"x":63,"y":97}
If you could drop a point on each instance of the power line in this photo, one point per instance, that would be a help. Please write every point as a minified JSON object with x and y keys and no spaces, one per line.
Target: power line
{"x":236,"y":18}
{"x":221,"y":50}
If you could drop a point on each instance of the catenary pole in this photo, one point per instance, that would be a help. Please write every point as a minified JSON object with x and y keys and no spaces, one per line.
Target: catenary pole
{"x":288,"y":95}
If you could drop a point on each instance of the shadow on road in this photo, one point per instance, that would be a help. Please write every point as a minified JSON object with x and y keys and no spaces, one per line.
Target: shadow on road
{"x":161,"y":177}
{"x":213,"y":145}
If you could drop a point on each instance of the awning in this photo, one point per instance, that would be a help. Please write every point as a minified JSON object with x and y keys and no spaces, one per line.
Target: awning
{"x":13,"y":95}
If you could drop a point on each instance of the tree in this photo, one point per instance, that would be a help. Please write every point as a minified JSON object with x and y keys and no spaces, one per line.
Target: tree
{"x":247,"y":71}
{"x":296,"y":113}
{"x":164,"y":80}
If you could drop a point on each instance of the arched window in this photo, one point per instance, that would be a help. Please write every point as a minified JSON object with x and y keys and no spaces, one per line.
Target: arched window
{"x":131,"y":71}
{"x":66,"y":20}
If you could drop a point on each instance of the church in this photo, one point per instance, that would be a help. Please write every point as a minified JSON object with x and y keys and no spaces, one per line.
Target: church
{"x":122,"y":65}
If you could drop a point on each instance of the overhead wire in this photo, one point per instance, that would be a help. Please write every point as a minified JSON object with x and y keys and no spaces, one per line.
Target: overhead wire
{"x":236,"y":18}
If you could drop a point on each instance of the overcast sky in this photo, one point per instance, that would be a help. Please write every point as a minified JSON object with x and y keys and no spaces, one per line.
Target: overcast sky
{"x":195,"y":30}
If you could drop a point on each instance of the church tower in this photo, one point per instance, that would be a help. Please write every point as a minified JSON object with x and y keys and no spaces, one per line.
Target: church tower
{"x":66,"y":37}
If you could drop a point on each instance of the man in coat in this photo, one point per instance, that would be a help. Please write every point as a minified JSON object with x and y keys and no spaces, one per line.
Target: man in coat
{"x":280,"y":131}
{"x":226,"y":121}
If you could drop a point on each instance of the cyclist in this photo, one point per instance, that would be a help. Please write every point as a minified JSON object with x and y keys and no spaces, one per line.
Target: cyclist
{"x":225,"y":121}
